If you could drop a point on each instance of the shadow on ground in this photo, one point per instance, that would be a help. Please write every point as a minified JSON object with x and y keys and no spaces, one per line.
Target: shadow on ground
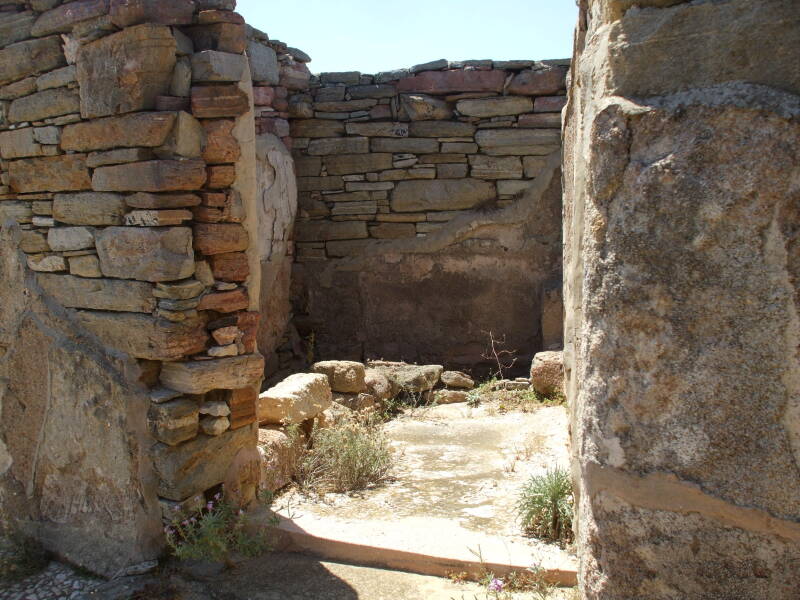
{"x":273,"y":576}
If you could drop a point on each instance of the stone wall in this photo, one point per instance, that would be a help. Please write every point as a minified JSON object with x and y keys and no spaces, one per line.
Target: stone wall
{"x":429,"y":212}
{"x":682,"y":290}
{"x":133,"y":252}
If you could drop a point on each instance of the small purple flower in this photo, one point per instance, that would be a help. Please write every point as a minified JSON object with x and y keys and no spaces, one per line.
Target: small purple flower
{"x":218,"y":495}
{"x":209,"y":505}
{"x":176,"y":508}
{"x":496,"y":585}
{"x":193,"y":520}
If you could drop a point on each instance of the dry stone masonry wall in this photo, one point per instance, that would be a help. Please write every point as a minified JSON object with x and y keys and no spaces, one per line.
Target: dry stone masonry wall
{"x":131,"y":263}
{"x":391,"y":168}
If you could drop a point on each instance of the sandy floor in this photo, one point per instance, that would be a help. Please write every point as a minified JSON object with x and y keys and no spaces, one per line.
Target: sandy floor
{"x":457,"y":479}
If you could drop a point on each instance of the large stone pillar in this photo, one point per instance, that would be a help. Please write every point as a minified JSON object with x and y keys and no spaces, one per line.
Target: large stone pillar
{"x":682,"y":258}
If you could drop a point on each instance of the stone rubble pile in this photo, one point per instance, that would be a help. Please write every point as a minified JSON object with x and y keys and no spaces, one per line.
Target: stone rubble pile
{"x":125,"y":128}
{"x":337,"y":390}
{"x":398,"y":154}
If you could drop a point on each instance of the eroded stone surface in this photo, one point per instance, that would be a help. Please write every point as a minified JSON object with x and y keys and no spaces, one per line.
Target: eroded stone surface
{"x":296,"y":399}
{"x":126,"y":71}
{"x":681,"y":300}
{"x":162,"y":254}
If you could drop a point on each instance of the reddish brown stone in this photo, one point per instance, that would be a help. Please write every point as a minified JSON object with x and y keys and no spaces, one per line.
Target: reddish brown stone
{"x":217,"y":199}
{"x":223,"y":37}
{"x":264,"y":95}
{"x":221,"y":176}
{"x":248,"y":323}
{"x":225,"y":302}
{"x":221,"y":146}
{"x":125,"y":13}
{"x":207,"y":214}
{"x":51,"y":174}
{"x":173,"y":103}
{"x":231,"y":267}
{"x":544,"y":82}
{"x":243,"y":407}
{"x":212,"y":102}
{"x":549,"y":104}
{"x":220,"y":238}
{"x":447,"y":82}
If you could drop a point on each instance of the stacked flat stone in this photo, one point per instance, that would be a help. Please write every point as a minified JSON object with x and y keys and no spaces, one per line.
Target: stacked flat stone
{"x":399,"y":154}
{"x":122,"y":128}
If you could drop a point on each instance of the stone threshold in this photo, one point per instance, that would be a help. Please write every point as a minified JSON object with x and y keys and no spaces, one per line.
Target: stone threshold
{"x":431,"y":547}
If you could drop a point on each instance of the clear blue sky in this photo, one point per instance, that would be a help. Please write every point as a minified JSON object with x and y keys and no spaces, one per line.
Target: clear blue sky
{"x":380,"y":35}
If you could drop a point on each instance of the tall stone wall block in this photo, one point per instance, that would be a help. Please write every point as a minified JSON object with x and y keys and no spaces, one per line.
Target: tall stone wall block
{"x":126,"y":71}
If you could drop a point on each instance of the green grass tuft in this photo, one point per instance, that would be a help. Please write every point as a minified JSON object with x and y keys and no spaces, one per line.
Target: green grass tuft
{"x":545,"y":504}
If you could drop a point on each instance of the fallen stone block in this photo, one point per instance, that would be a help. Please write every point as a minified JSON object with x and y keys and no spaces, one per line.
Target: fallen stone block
{"x":547,"y":373}
{"x":295,"y":399}
{"x":409,"y":378}
{"x":344,"y":376}
{"x":456,"y":379}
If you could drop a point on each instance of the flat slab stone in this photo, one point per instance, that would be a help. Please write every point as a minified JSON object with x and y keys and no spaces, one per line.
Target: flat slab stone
{"x":222,"y":374}
{"x":129,"y":131}
{"x":441,"y":194}
{"x":99,"y":294}
{"x":89,"y":208}
{"x":27,"y":58}
{"x":446,"y":82}
{"x":50,"y":174}
{"x":146,"y":337}
{"x":151,"y":176}
{"x":148,"y":254}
